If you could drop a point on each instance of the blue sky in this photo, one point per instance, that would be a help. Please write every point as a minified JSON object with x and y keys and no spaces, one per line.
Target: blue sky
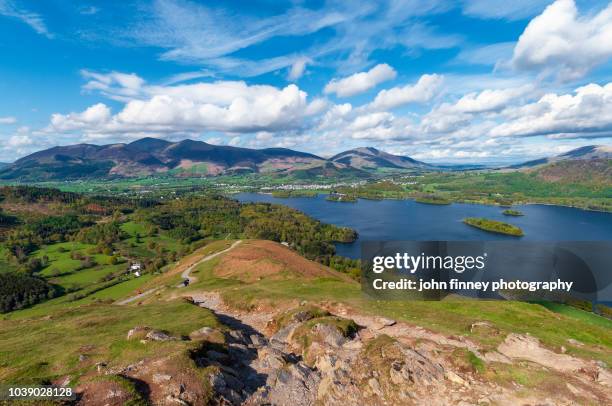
{"x":440,"y":80}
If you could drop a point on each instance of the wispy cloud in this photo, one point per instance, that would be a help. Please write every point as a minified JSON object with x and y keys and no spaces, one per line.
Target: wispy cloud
{"x":212,"y":37}
{"x":8,"y":120}
{"x":492,"y":54}
{"x":503,"y":9}
{"x":9,"y":9}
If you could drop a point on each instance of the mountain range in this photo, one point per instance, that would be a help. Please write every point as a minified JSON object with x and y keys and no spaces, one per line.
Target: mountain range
{"x":151,"y":156}
{"x":590,"y":152}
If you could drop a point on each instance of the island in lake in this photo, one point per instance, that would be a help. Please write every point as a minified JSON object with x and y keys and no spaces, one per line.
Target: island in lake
{"x":432,"y":199}
{"x":494,"y":226}
{"x":510,"y":212}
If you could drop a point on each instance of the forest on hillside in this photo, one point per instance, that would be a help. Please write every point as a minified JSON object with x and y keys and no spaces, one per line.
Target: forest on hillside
{"x":46,"y":234}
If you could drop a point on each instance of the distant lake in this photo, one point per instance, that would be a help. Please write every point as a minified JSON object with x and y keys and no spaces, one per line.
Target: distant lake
{"x":408,"y":220}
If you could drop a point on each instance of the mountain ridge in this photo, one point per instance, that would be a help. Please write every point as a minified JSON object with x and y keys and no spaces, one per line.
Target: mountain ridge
{"x":148,"y":156}
{"x":588,"y":152}
{"x":189,"y":158}
{"x":372,"y":158}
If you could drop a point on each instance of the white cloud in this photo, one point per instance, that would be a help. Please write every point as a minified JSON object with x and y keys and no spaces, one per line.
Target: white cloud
{"x":360,"y":82}
{"x":559,"y":40}
{"x":95,"y":116}
{"x":8,"y":120}
{"x":587,"y":113}
{"x":223,"y":106}
{"x":424,"y":90}
{"x":298,"y":67}
{"x":35,"y":21}
{"x":486,"y":100}
{"x":372,"y":120}
{"x":17,"y":144}
{"x":116,"y":85}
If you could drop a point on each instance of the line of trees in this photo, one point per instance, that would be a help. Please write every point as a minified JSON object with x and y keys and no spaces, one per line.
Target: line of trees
{"x":18,"y":290}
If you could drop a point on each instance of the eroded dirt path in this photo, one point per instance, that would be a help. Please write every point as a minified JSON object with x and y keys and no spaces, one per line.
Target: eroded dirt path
{"x":186,"y":274}
{"x":137,"y":297}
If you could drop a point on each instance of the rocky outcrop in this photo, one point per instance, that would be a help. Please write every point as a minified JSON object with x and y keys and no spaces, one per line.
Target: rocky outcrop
{"x":316,"y":358}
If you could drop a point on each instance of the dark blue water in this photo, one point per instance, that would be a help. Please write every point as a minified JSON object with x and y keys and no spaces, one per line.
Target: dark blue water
{"x":408,"y":220}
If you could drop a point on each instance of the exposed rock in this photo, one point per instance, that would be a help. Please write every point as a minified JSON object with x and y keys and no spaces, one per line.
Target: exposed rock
{"x":375,"y":386}
{"x":271,"y":358}
{"x":604,"y":377}
{"x":575,"y":391}
{"x":326,"y":363}
{"x":295,"y":385}
{"x":157,"y":335}
{"x":258,"y":341}
{"x":239,"y":336}
{"x":302,"y":316}
{"x":453,"y":377}
{"x":484,"y":327}
{"x":175,"y":400}
{"x":284,"y":334}
{"x":161,"y":378}
{"x":575,"y":342}
{"x":382,"y":322}
{"x":494,"y":356}
{"x":528,"y":348}
{"x":205,"y":333}
{"x":329,"y":334}
{"x":64,"y":382}
{"x":138,"y":332}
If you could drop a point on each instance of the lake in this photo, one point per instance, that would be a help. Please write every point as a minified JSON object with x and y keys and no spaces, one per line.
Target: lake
{"x":408,"y":220}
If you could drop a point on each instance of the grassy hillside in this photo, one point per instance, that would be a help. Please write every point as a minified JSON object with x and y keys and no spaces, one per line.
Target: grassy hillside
{"x":596,"y":173}
{"x":88,"y":343}
{"x":70,"y":342}
{"x":260,"y":274}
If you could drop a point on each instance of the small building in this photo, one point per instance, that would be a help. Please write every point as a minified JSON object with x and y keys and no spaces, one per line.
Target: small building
{"x":285,"y":243}
{"x":135,"y":267}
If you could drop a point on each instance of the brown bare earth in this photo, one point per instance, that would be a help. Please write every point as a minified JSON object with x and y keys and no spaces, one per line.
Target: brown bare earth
{"x":255,"y":260}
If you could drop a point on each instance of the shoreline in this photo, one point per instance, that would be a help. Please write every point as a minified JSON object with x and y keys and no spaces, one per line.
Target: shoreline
{"x":526,"y":203}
